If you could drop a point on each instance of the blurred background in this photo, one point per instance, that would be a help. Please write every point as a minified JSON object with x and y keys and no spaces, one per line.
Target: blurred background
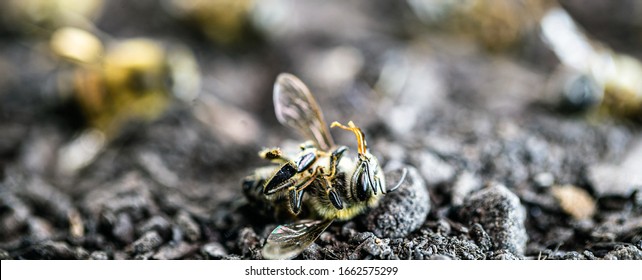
{"x":117,"y":117}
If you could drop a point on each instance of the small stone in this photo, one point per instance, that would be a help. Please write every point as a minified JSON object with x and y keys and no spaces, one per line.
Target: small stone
{"x":625,"y":252}
{"x":402,"y":211}
{"x":589,"y":255}
{"x":466,"y":183}
{"x":500,"y":213}
{"x":214,"y":251}
{"x":4,"y":255}
{"x":481,"y":238}
{"x":574,"y":201}
{"x":157,"y":168}
{"x":173,"y":251}
{"x":123,"y":228}
{"x":440,"y":257}
{"x":360,"y":237}
{"x":144,"y":256}
{"x":39,"y":229}
{"x":50,"y":250}
{"x":98,"y":255}
{"x":503,"y":254}
{"x":157,"y":223}
{"x":81,"y":254}
{"x":434,"y":169}
{"x":621,"y":179}
{"x":249,"y":243}
{"x":377,"y":247}
{"x":55,"y":204}
{"x":544,"y":180}
{"x":312,"y":252}
{"x":146,"y":243}
{"x":189,"y":227}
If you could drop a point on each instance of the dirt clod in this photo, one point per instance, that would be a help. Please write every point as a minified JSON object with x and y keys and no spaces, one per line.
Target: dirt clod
{"x":500,"y":213}
{"x":401,"y":211}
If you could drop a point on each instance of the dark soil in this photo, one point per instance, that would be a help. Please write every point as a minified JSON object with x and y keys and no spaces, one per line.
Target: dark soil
{"x":486,"y":151}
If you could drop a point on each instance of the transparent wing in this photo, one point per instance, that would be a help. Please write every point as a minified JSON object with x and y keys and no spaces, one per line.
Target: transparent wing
{"x":295,"y":107}
{"x":288,"y":241}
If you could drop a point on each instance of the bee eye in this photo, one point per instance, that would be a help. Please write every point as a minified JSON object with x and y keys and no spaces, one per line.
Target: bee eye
{"x":363,"y":183}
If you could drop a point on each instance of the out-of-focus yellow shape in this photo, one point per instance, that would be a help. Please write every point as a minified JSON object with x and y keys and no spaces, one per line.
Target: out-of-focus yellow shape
{"x":223,"y":21}
{"x":49,"y":14}
{"x":496,"y":24}
{"x":76,"y":45}
{"x":618,"y":76}
{"x":132,"y":79}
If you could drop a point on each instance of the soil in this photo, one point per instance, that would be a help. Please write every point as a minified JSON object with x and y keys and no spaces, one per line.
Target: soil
{"x":495,"y":170}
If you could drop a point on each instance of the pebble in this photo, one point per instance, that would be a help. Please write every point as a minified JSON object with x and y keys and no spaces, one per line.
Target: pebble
{"x":500,"y":213}
{"x":4,"y":255}
{"x":157,"y":223}
{"x":174,"y":251}
{"x":214,"y":250}
{"x":249,"y":243}
{"x":377,"y":247}
{"x":312,"y":252}
{"x":402,"y":211}
{"x":54,"y":203}
{"x":434,"y":169}
{"x":123,"y":228}
{"x":440,"y":257}
{"x":189,"y":227}
{"x":53,"y":250}
{"x":98,"y":255}
{"x":39,"y":229}
{"x":504,"y":254}
{"x":481,"y":238}
{"x":618,"y":179}
{"x":466,"y":183}
{"x":627,"y":252}
{"x":544,"y":179}
{"x":146,"y":243}
{"x":575,"y":201}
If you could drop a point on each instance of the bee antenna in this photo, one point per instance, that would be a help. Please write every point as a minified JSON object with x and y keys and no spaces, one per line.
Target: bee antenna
{"x":403,"y":178}
{"x":361,"y":138}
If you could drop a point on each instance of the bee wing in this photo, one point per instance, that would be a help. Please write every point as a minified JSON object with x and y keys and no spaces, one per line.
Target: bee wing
{"x":295,"y":107}
{"x":288,"y":241}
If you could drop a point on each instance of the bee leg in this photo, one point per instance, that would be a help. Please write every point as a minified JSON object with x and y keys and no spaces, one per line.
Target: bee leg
{"x":305,"y":161}
{"x":332,"y":194}
{"x":296,"y":198}
{"x":335,"y":199}
{"x":280,"y":179}
{"x":295,"y":193}
{"x":336,"y":156}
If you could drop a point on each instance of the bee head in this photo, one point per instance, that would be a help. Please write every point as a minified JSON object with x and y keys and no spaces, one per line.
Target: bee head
{"x":366,"y":180}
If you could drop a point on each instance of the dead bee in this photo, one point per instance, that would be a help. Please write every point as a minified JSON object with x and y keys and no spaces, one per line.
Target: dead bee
{"x":591,"y":77}
{"x":319,"y":178}
{"x":115,"y":82}
{"x":126,"y":80}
